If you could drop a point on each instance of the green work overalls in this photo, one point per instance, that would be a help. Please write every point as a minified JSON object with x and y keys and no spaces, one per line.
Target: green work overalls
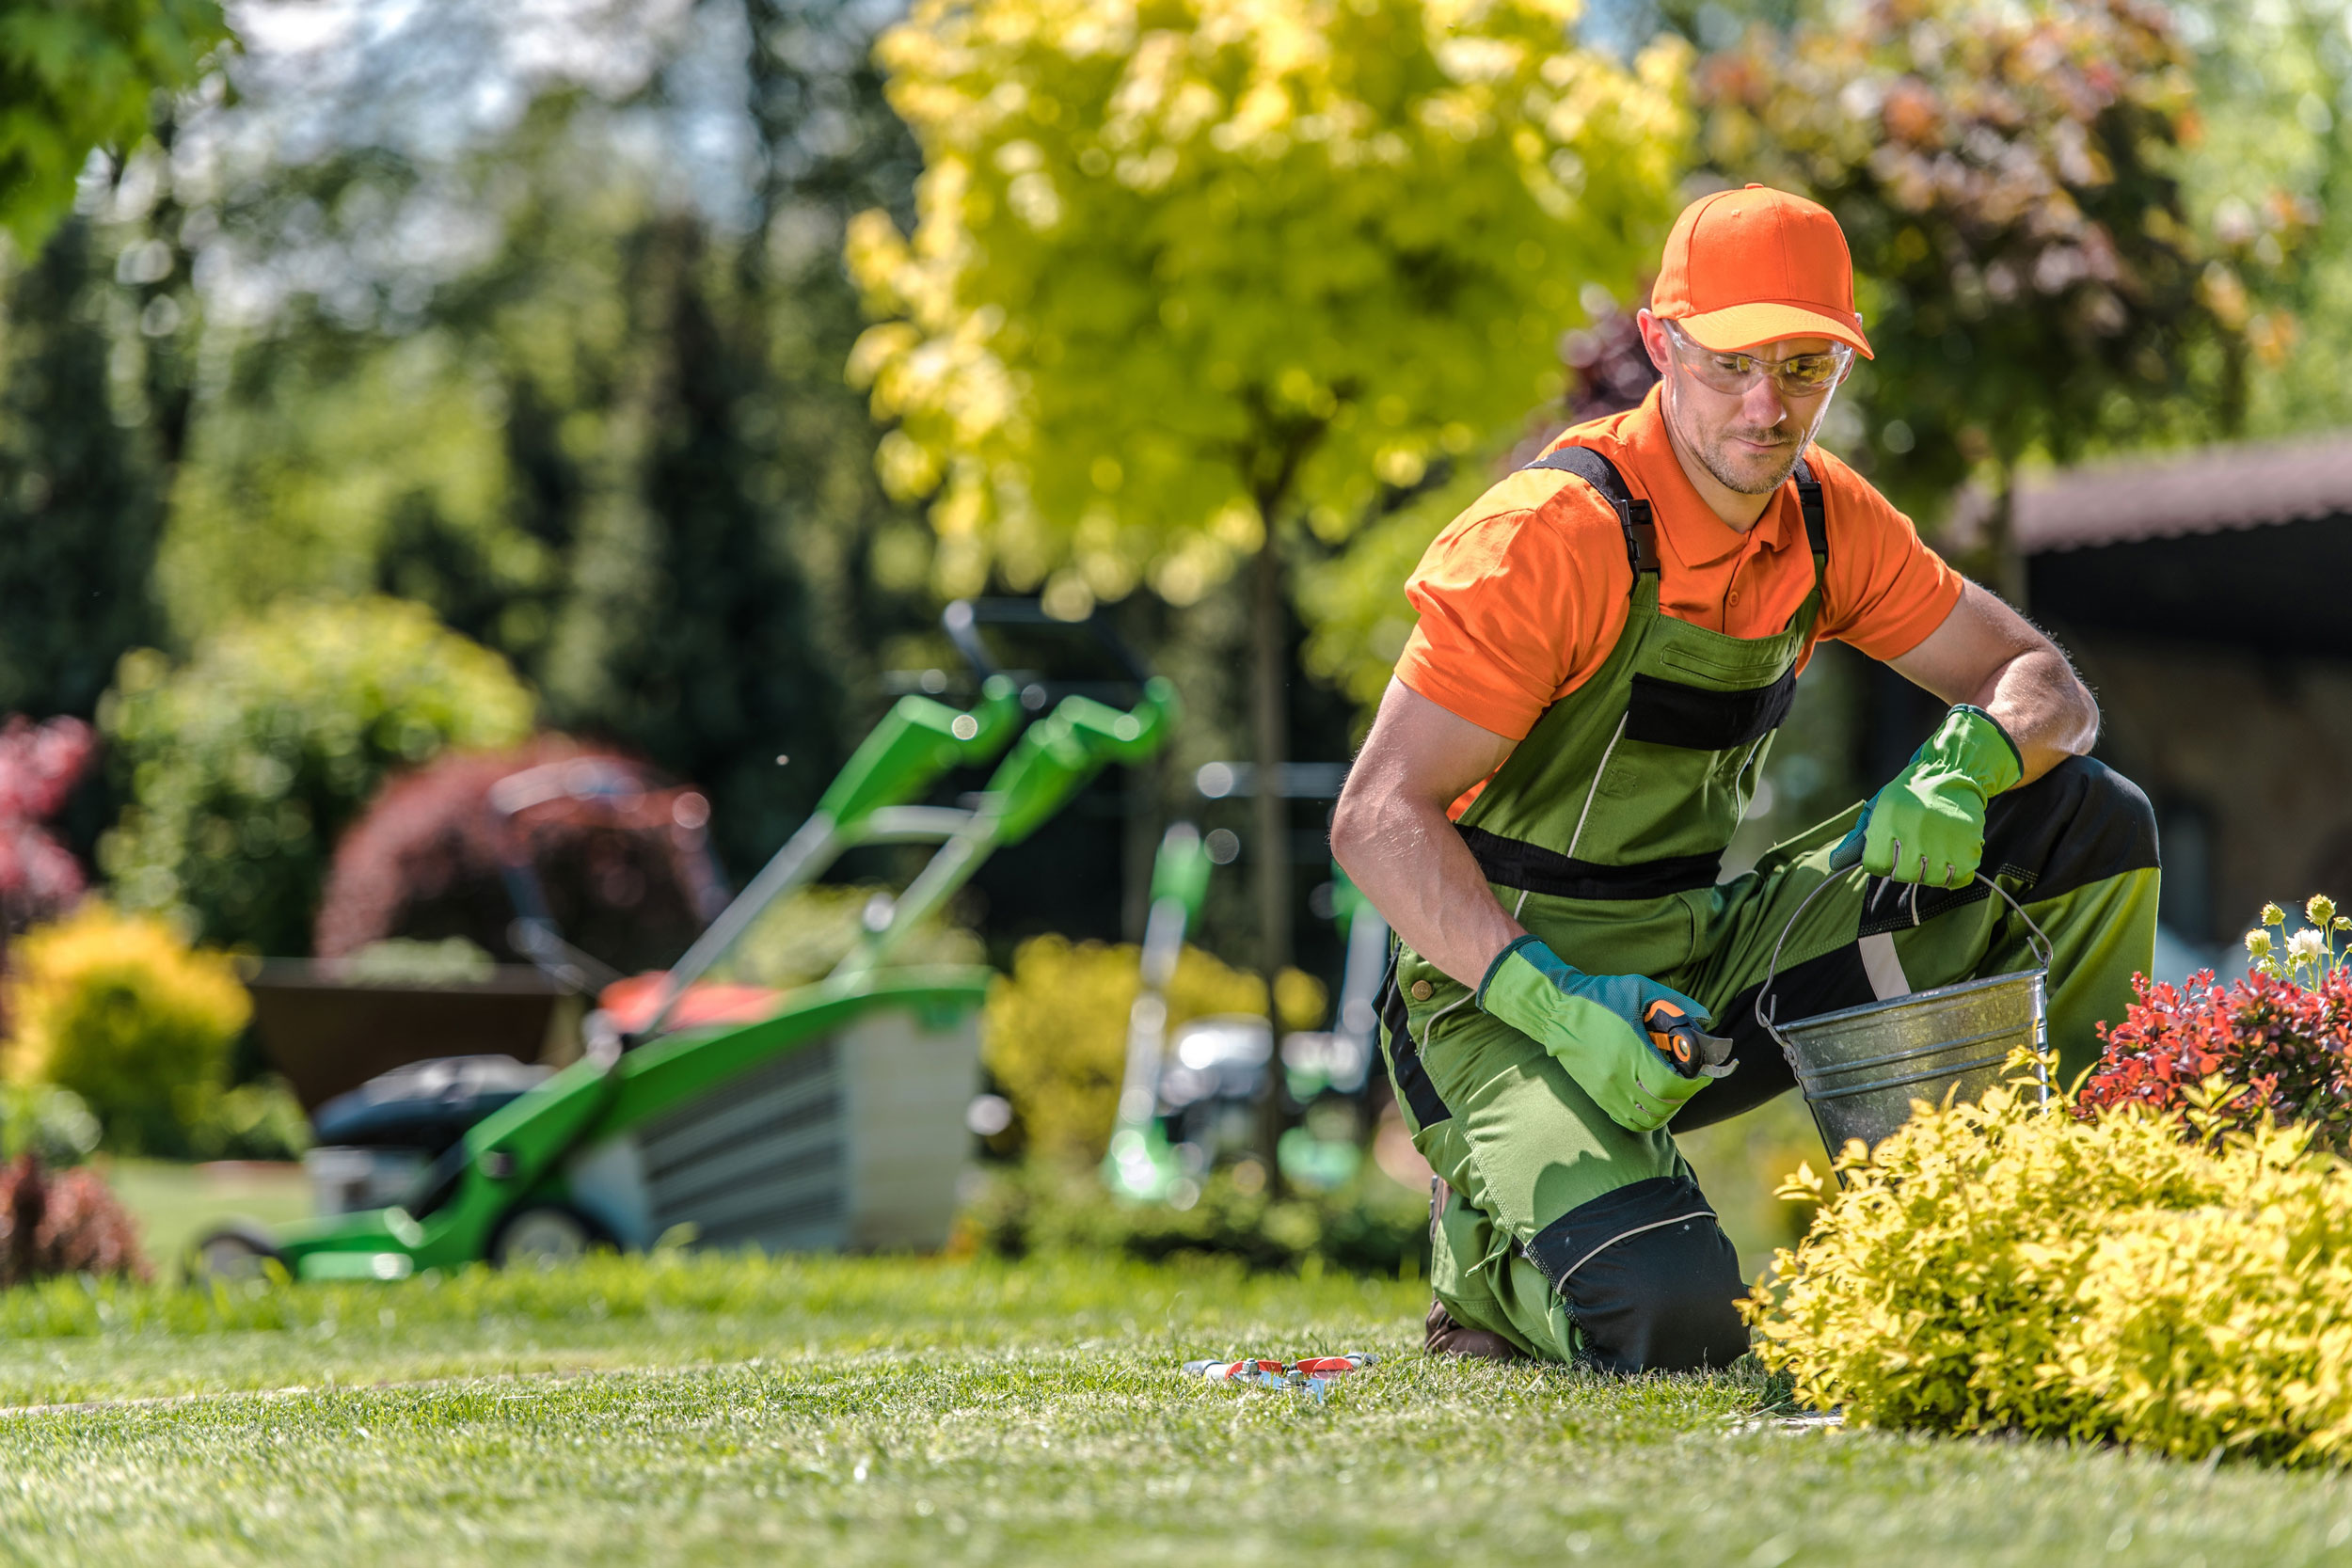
{"x":1603,"y":835}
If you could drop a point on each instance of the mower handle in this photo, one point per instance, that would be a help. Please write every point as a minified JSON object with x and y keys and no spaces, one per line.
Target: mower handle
{"x":916,"y":741}
{"x":1059,"y":753}
{"x":1053,"y":760}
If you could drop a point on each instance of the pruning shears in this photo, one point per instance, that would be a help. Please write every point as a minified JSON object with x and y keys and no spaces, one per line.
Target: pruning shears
{"x":1676,"y":1036}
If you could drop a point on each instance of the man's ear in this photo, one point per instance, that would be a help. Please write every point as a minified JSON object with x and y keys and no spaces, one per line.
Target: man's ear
{"x":1654,"y":340}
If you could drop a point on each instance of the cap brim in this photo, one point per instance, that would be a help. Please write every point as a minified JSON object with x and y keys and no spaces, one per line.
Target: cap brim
{"x":1745,"y":327}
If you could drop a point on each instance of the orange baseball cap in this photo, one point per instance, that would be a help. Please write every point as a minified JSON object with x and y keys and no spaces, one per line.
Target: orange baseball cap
{"x":1755,"y":265}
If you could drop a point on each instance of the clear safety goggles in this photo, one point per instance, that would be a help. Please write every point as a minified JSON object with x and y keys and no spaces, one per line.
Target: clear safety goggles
{"x":1799,"y":376}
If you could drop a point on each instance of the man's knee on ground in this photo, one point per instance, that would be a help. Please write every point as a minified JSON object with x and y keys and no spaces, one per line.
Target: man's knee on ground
{"x":1649,"y":1278}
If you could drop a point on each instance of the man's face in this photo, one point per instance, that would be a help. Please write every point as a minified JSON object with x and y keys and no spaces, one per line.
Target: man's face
{"x":1748,"y":440}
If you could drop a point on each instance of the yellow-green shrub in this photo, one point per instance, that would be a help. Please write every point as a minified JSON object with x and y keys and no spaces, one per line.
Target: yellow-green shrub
{"x":1997,"y":1267}
{"x":119,"y":1009}
{"x":1056,"y":1030}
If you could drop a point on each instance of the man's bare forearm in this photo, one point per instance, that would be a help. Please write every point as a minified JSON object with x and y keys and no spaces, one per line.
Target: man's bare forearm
{"x":1411,"y":863}
{"x":1392,"y":837}
{"x":2043,"y":706}
{"x":1986,"y":654}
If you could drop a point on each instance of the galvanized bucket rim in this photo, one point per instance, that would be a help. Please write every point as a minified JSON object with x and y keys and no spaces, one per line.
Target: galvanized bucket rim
{"x":1896,"y":1058}
{"x":1770,"y":1017}
{"x":1957,"y":988}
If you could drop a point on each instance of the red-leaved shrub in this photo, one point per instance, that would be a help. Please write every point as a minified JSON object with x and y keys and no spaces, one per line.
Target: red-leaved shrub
{"x":55,"y":1222}
{"x":2286,"y":1047}
{"x":621,"y":856}
{"x":39,"y":764}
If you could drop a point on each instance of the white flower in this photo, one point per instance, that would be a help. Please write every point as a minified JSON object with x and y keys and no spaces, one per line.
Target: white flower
{"x":2305,"y":946}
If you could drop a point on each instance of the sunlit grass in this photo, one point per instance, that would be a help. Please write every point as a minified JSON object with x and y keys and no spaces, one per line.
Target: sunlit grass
{"x":698,"y":1409}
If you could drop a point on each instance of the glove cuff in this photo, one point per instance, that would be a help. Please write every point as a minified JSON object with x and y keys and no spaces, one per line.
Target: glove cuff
{"x":1974,"y":742}
{"x":1526,"y":940}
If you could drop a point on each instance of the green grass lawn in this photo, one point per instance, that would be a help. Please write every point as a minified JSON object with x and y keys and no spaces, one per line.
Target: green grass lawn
{"x":726,"y":1410}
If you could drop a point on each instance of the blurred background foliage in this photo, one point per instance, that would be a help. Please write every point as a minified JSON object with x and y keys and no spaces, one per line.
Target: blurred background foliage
{"x":542,"y":327}
{"x":406,"y":377}
{"x":1056,"y":1031}
{"x":115,"y":1011}
{"x":74,"y":77}
{"x":242,"y":767}
{"x":2009,"y":179}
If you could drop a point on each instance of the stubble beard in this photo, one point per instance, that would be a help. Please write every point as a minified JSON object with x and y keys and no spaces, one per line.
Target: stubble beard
{"x":1717,"y":457}
{"x":1718,"y":461}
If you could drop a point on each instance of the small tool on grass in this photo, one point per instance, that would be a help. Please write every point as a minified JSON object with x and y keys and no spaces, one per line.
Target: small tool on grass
{"x":1313,"y":1375}
{"x":1678,"y":1038}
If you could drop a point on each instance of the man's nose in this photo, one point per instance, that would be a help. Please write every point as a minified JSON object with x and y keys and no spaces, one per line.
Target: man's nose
{"x":1762,"y":405}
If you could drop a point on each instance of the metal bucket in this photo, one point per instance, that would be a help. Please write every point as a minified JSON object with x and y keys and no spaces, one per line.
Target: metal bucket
{"x":1861,"y":1068}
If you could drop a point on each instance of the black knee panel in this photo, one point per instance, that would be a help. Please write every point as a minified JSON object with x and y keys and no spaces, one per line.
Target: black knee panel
{"x":1649,"y":1277}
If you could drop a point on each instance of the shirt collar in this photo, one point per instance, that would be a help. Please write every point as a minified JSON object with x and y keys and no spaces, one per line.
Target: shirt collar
{"x":1686,"y":524}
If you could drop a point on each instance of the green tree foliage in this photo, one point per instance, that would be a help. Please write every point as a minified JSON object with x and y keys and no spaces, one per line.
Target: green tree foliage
{"x":81,"y":491}
{"x":608,"y":439}
{"x":2008,"y":178}
{"x":1182,"y":267}
{"x":245,"y":764}
{"x":73,"y":77}
{"x":2272,"y":173}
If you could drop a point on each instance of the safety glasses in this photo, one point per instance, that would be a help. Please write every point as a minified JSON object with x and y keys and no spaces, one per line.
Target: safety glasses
{"x":1799,"y":376}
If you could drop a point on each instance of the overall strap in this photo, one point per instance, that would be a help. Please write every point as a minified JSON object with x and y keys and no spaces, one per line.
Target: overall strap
{"x":1640,"y":532}
{"x":1816,"y":517}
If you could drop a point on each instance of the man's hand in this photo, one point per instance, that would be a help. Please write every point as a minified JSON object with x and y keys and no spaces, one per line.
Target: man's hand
{"x":1927,"y":826}
{"x":1596,"y":1025}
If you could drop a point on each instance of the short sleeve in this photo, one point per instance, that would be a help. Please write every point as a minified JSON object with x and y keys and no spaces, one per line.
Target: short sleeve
{"x":1513,"y":603}
{"x":1886,"y":589}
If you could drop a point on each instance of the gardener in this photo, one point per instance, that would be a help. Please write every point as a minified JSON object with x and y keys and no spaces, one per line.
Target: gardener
{"x":1577,"y":725}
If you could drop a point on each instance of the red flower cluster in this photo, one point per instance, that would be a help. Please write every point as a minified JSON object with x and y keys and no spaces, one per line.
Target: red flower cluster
{"x":63,"y":1222}
{"x":2288,"y":1045}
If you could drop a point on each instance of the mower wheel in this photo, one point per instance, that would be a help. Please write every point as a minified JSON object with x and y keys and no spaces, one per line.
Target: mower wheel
{"x":544,"y":1236}
{"x":236,"y":1251}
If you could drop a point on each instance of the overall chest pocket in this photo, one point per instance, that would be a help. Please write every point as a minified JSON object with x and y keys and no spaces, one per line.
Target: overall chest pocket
{"x":1674,"y":772}
{"x":1661,"y":712}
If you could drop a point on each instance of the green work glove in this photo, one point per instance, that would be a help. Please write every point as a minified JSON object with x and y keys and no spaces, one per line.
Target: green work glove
{"x":1928,"y":825}
{"x":1593,"y":1024}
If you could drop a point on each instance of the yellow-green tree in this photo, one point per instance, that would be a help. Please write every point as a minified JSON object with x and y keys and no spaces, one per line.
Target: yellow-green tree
{"x":1187,"y":274}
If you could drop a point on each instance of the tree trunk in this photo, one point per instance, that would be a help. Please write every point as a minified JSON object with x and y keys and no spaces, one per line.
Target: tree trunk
{"x":1271,"y":863}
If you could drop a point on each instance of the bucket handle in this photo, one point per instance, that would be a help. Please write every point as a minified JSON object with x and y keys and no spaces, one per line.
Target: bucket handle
{"x":1769,"y":1017}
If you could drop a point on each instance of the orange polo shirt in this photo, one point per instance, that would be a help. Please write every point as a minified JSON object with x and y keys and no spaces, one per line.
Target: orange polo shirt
{"x":1523,"y":595}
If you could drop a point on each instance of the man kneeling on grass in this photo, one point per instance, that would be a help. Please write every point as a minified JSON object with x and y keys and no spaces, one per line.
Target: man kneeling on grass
{"x":1608,"y":639}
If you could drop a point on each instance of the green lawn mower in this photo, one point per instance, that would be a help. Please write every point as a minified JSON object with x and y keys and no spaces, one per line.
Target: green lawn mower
{"x":827,"y":1116}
